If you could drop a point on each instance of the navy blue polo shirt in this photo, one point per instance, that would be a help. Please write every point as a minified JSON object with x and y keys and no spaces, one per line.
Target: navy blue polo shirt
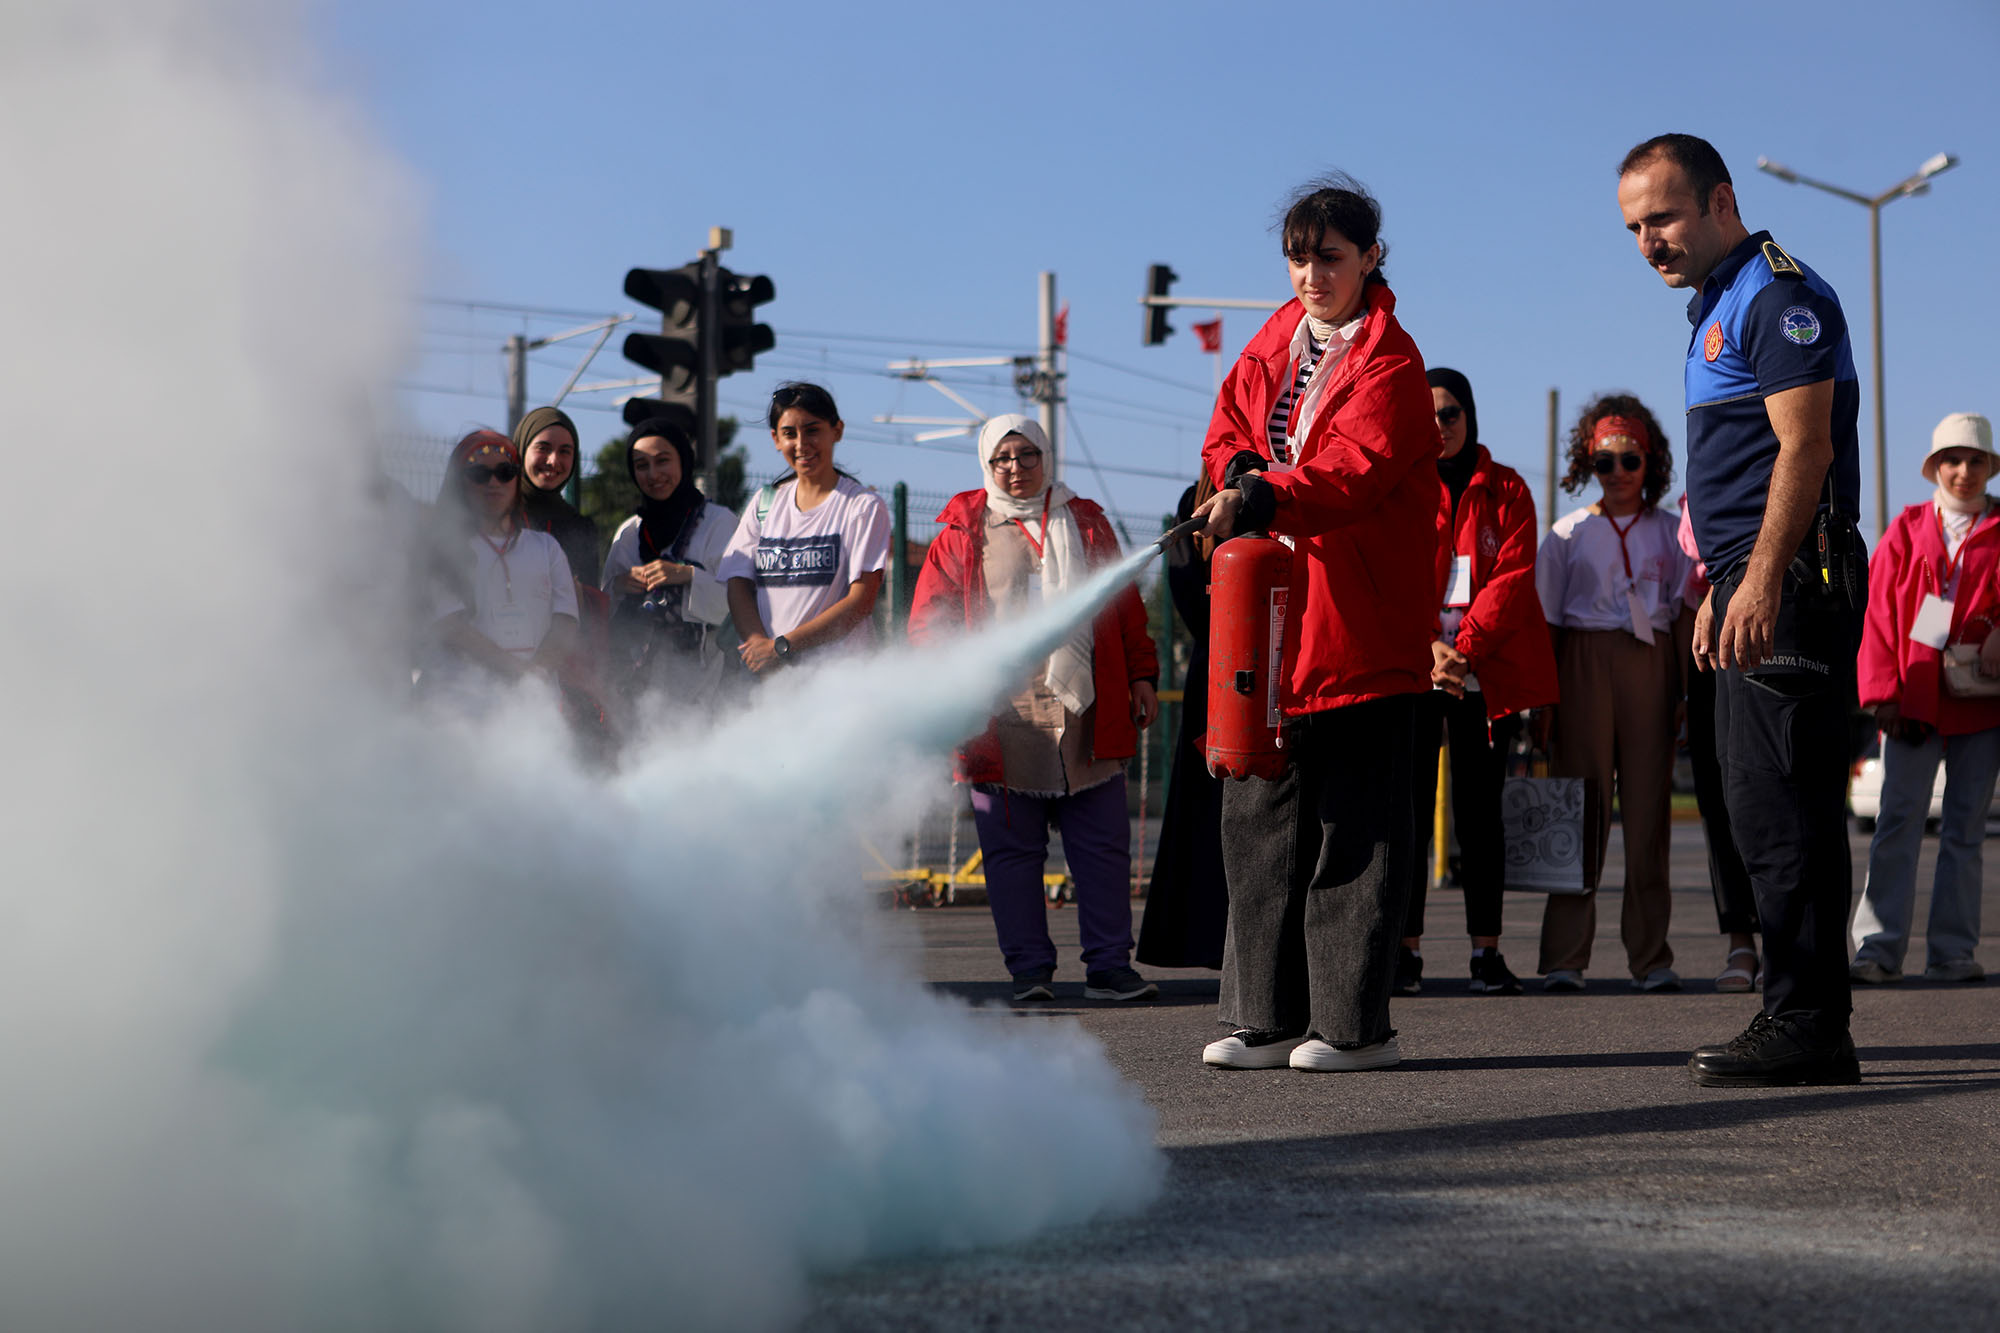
{"x":1763,"y":323}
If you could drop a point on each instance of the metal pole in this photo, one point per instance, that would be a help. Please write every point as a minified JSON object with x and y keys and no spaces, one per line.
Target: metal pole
{"x":1881,"y":414}
{"x":1553,"y":425}
{"x":711,"y":361}
{"x":1046,"y":391}
{"x":517,"y":381}
{"x":899,"y":558}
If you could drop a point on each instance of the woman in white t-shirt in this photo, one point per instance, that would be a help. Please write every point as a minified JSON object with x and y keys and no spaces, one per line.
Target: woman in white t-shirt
{"x":1610,"y":577}
{"x":663,"y":575}
{"x":505,"y":603}
{"x":806,"y":563}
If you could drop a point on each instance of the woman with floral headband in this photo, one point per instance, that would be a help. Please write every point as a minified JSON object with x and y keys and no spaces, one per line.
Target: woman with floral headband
{"x":1610,"y":577}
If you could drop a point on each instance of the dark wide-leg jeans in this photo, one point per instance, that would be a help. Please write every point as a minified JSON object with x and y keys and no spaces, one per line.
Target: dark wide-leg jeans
{"x":1319,"y":869}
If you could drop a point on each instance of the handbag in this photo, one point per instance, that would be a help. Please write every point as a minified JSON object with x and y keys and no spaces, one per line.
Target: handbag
{"x":1961,"y":674}
{"x":1548,"y":828}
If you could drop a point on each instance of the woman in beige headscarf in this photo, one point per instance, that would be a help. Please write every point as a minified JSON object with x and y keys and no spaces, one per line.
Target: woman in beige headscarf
{"x":1057,"y":751}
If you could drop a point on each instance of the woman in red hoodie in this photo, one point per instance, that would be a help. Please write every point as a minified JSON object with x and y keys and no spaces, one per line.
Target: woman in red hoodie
{"x":1323,"y":436}
{"x":1932,"y":586}
{"x":1492,"y":660}
{"x":1057,"y":750}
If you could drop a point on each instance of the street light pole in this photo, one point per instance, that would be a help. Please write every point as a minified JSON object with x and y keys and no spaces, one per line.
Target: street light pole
{"x":1916,"y":184}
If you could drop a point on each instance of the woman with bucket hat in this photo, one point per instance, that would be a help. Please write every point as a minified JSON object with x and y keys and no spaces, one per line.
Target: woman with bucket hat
{"x":1932,"y":597}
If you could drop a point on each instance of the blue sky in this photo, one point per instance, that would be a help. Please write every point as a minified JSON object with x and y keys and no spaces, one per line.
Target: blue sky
{"x":902,"y":172}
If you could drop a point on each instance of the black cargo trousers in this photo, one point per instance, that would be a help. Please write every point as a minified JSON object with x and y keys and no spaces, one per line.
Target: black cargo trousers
{"x":1781,"y":738}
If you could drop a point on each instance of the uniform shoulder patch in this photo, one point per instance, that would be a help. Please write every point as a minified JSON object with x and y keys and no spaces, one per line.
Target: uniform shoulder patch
{"x":1711,"y":343}
{"x":1782,"y":264}
{"x":1800,"y":325}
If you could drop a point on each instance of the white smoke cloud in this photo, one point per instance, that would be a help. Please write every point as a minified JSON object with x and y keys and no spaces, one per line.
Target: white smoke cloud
{"x":318,"y":1014}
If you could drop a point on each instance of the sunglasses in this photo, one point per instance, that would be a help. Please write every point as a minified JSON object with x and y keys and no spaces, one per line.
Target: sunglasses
{"x":1027,"y":460}
{"x":1605,"y":463}
{"x":501,"y":472}
{"x":1447,"y":415}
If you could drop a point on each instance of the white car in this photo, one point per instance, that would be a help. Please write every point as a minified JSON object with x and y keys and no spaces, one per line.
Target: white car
{"x":1864,"y":791}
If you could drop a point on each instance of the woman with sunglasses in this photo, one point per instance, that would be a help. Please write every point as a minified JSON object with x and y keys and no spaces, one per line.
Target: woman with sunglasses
{"x":1057,"y":751}
{"x":1491,"y":661}
{"x":1323,"y":436}
{"x":806,"y":562}
{"x":663,"y":576}
{"x":506,"y":604}
{"x":1611,"y":577}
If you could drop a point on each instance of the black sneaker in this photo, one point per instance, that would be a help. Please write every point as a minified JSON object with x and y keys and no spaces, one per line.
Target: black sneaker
{"x":1409,"y":971}
{"x":1490,"y":975}
{"x":1117,"y":983}
{"x":1037,"y":985}
{"x":1777,"y":1053}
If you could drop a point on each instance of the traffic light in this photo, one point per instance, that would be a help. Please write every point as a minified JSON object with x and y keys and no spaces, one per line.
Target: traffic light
{"x":1159,"y":279}
{"x":694,"y":347}
{"x":674,"y":353}
{"x":742,"y":339}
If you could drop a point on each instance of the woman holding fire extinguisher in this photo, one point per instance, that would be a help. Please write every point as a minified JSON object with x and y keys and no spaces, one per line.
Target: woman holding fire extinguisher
{"x":1323,"y":436}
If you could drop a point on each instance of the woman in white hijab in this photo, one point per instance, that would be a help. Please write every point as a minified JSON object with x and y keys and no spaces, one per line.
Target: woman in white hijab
{"x":1057,"y":751}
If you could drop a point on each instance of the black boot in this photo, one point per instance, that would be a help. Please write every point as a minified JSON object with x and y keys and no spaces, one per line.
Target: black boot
{"x":1776,"y":1053}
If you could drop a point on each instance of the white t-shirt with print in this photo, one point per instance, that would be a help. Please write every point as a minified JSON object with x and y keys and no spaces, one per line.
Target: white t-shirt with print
{"x":519,"y":587}
{"x":1580,"y":571}
{"x":803,"y":561}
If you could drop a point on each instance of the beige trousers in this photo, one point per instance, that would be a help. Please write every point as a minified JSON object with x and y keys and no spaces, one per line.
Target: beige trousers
{"x":1617,"y":716}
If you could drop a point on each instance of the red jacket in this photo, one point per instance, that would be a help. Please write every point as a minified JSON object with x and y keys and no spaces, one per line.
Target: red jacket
{"x":1908,"y":564}
{"x":1362,"y":503}
{"x":951,"y":596}
{"x":1502,"y":632}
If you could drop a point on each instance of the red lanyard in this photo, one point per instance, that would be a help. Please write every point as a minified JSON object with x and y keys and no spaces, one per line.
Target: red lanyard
{"x":1623,"y":553}
{"x":1951,"y":562}
{"x":1045,"y":523}
{"x":500,"y":554}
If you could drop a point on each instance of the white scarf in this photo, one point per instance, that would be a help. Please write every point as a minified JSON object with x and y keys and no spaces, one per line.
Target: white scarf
{"x":1064,"y":562}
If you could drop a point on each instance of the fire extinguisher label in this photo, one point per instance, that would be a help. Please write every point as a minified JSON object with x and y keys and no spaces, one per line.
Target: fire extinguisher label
{"x":1276,"y":660}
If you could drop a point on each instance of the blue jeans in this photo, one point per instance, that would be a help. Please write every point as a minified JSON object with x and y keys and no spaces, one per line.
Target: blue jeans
{"x":1097,"y":843}
{"x":1889,"y":899}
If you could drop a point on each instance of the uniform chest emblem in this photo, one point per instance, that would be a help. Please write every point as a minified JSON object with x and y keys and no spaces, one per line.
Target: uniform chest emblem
{"x":1489,"y":543}
{"x":1711,"y":342}
{"x":1800,"y":325}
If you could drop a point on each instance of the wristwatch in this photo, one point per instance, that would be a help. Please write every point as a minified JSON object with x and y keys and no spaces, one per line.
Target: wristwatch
{"x":783,"y":647}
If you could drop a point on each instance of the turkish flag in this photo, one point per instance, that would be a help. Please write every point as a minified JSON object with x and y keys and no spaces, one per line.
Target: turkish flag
{"x":1210,"y":334}
{"x":1062,"y":326}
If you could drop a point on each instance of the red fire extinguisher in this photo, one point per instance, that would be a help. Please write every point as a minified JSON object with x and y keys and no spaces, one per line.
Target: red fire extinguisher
{"x":1249,"y":584}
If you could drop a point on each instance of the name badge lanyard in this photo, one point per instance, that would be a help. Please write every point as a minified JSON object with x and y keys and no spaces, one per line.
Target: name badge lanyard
{"x":1932,"y":626}
{"x":500,"y":550}
{"x":1036,"y":546}
{"x":1642,"y":622}
{"x":1947,"y":588}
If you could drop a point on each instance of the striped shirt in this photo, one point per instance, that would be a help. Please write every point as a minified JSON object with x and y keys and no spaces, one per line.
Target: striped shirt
{"x":1278,"y":430}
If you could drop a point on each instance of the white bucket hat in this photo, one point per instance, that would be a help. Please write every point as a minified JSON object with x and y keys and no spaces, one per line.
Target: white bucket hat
{"x":1960,"y":430}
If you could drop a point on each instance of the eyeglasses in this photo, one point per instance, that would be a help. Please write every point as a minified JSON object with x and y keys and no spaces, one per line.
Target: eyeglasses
{"x":1027,"y":461}
{"x":502,"y":472}
{"x":1447,"y":415}
{"x":1605,"y":463}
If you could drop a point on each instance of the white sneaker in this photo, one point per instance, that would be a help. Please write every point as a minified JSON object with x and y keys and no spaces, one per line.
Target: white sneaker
{"x":1563,"y":979}
{"x":1319,"y":1057}
{"x":1247,"y":1048}
{"x":1659,"y":979}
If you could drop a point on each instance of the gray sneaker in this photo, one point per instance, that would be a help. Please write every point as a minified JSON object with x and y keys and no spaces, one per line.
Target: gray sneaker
{"x":1036,"y":985}
{"x":1659,"y":979}
{"x":1958,"y":969}
{"x":1563,"y":979}
{"x":1868,"y":972}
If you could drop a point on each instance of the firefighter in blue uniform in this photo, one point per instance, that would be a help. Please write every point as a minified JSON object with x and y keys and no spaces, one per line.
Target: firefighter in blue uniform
{"x":1774,"y":483}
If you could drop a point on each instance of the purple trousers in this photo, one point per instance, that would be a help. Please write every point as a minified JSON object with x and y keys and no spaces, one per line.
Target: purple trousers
{"x":1097,"y":842}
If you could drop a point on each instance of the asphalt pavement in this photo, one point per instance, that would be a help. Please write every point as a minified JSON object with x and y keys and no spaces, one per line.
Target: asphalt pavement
{"x":1537,"y":1161}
